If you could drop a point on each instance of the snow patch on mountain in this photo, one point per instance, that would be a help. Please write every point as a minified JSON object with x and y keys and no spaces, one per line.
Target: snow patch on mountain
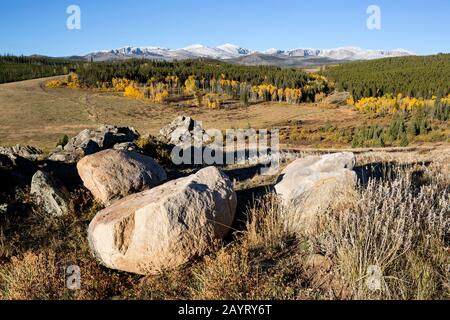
{"x":274,"y":51}
{"x":202,"y":51}
{"x":234,"y":50}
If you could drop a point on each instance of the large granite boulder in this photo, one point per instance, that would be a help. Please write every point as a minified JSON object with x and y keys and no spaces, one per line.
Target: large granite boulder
{"x":165,"y":227}
{"x":308,"y":186}
{"x":49,"y":194}
{"x":112,"y":174}
{"x":88,"y":142}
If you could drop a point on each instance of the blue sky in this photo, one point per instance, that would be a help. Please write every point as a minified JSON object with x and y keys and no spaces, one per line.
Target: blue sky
{"x":39,"y":27}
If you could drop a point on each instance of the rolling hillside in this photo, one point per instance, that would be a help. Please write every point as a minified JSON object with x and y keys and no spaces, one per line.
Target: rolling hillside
{"x":416,"y":76}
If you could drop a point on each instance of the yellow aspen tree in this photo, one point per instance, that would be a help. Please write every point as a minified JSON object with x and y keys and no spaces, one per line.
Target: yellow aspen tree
{"x":190,"y":85}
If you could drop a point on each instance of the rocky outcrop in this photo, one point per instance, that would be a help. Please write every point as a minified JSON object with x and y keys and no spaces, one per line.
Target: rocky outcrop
{"x":126,"y":146}
{"x":27,"y":152}
{"x":182,"y":131}
{"x":15,"y":171}
{"x":88,"y":142}
{"x":337,"y":98}
{"x":308,"y":186}
{"x":111,"y":174}
{"x":49,"y":194}
{"x":164,"y":227}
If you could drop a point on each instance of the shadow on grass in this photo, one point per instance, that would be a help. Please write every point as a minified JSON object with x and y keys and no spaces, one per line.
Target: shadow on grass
{"x":389,"y":171}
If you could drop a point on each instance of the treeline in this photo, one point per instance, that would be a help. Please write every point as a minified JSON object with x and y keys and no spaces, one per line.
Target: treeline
{"x":416,"y":76}
{"x":389,"y":104}
{"x":205,"y":71}
{"x":158,"y":80}
{"x":404,"y":127}
{"x":18,"y":68}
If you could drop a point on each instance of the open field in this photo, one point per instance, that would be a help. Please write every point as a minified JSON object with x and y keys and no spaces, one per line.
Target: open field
{"x":35,"y":115}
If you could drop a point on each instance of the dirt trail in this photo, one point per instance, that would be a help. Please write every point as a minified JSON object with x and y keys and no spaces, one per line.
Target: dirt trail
{"x":90,"y":107}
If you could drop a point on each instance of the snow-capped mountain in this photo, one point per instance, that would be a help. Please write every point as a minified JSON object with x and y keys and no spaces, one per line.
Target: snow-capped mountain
{"x":230,"y":51}
{"x":201,"y":51}
{"x":304,"y":53}
{"x":234,"y":50}
{"x":345,"y":53}
{"x":351,"y":53}
{"x":274,"y":51}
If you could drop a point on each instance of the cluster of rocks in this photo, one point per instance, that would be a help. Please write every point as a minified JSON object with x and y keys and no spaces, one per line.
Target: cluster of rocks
{"x":150,"y":224}
{"x":88,"y":142}
{"x":183,"y":130}
{"x":17,"y":166}
{"x":164,"y":227}
{"x":26,"y":152}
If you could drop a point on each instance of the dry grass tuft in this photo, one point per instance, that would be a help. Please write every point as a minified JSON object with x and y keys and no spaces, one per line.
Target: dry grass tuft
{"x":42,"y":275}
{"x":265,"y":262}
{"x":36,"y":251}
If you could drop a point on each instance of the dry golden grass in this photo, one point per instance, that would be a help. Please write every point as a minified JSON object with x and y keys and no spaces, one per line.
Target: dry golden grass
{"x":35,"y":251}
{"x":40,"y":275}
{"x":401,"y":227}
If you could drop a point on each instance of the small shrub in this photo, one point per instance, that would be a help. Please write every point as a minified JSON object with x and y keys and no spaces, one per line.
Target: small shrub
{"x":36,"y":249}
{"x":372,"y":136}
{"x":265,"y":262}
{"x":156,"y":149}
{"x":56,"y":84}
{"x":419,"y":125}
{"x":63,"y":141}
{"x":132,"y":91}
{"x":212,"y":101}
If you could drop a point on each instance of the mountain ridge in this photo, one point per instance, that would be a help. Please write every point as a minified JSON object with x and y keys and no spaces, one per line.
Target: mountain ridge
{"x":231,"y":52}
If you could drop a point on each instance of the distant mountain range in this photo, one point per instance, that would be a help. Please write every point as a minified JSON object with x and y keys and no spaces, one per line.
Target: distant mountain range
{"x":237,"y":54}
